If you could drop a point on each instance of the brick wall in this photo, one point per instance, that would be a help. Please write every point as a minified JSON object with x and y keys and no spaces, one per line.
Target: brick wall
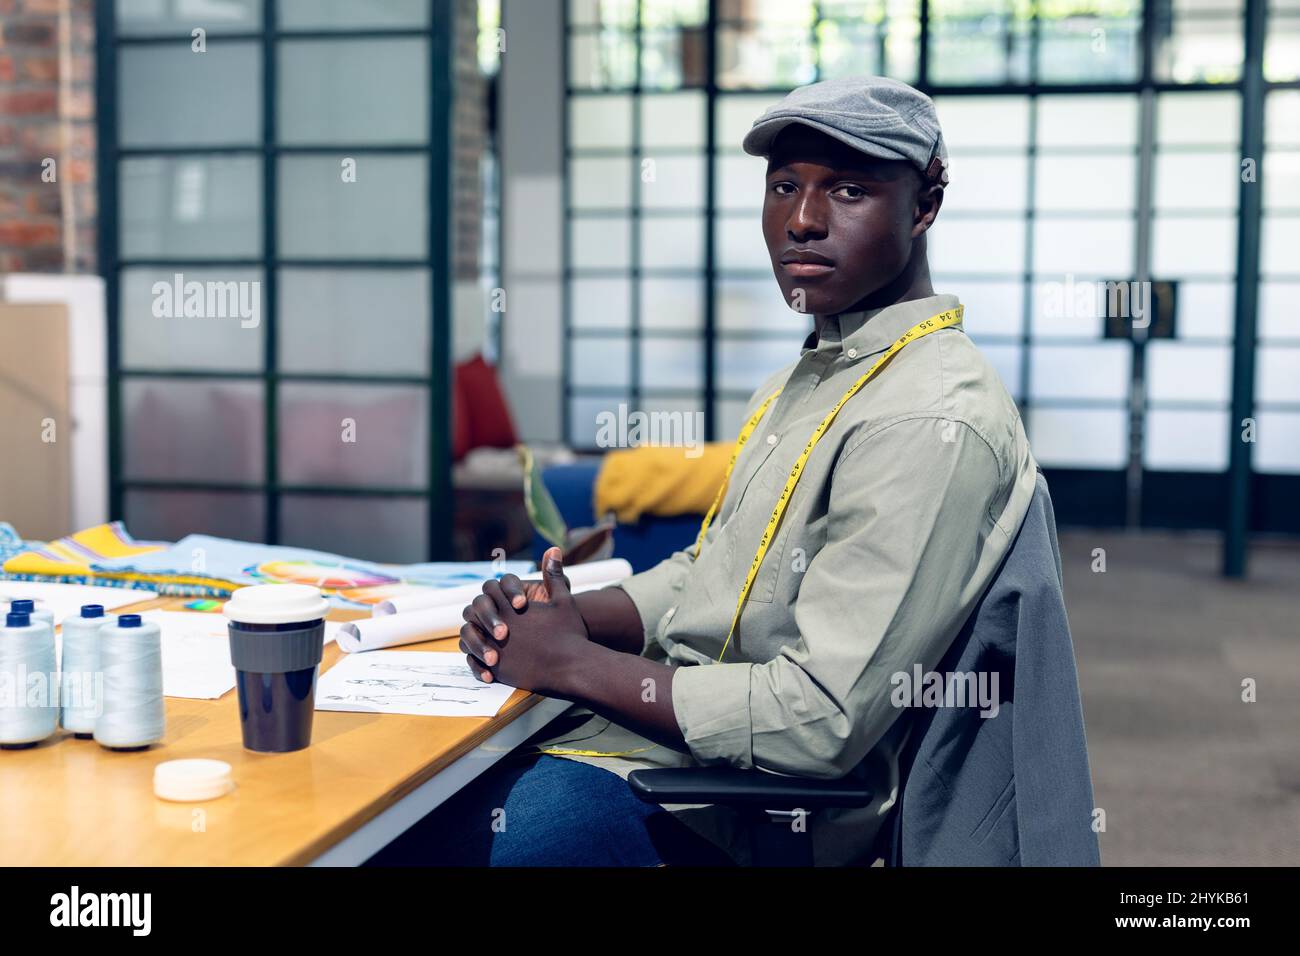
{"x":47,"y":111}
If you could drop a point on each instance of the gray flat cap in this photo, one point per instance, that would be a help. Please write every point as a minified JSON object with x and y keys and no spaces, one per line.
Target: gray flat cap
{"x":874,"y":114}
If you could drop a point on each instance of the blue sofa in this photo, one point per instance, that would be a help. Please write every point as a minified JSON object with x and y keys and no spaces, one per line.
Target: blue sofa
{"x":643,"y":545}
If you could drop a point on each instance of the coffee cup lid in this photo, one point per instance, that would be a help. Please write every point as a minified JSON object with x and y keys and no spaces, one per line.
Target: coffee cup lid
{"x":192,"y":780}
{"x":275,"y":604}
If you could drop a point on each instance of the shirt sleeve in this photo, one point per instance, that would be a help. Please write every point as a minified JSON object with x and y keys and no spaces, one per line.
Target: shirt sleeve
{"x":910,"y":508}
{"x":658,"y":589}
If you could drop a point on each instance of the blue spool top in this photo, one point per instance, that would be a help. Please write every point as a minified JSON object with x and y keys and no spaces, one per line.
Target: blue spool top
{"x":92,"y":610}
{"x":128,"y":620}
{"x":18,"y":618}
{"x":23,"y":606}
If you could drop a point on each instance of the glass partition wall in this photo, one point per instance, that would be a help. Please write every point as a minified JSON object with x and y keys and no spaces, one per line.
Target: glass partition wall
{"x":1091,"y":141}
{"x":274,"y":239}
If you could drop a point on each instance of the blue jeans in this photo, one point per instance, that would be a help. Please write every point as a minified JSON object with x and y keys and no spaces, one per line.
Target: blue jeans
{"x":535,"y":810}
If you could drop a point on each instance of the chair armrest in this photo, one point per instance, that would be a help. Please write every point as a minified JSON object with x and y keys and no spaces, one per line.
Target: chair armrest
{"x":755,"y":789}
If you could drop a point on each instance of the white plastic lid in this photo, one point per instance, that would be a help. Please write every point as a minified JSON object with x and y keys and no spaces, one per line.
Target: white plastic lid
{"x":187,"y":781}
{"x":276,"y":604}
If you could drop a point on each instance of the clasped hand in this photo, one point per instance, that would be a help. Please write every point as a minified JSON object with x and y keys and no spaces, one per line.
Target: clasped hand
{"x":527,"y":634}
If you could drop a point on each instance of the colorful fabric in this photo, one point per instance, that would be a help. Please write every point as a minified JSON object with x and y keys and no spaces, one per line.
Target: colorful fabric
{"x":201,"y":565}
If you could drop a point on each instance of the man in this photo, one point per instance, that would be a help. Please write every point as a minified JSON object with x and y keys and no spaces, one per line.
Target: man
{"x":902,"y":511}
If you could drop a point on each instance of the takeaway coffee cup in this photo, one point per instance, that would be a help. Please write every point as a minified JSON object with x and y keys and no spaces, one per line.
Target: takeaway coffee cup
{"x":277,"y":636}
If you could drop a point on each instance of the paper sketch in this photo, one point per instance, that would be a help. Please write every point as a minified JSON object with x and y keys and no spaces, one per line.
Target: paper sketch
{"x":424,"y":683}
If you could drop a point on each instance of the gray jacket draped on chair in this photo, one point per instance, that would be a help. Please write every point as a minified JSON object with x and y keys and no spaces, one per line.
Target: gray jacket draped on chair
{"x":1013,"y":789}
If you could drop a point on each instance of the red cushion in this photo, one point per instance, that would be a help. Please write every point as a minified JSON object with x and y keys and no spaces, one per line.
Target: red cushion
{"x":489,"y":416}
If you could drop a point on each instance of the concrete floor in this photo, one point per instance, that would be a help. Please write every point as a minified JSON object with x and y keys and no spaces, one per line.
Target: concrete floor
{"x":1187,"y":772}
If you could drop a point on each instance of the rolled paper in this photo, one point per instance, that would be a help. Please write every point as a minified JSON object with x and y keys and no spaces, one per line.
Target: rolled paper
{"x":600,"y":573}
{"x":412,"y":627}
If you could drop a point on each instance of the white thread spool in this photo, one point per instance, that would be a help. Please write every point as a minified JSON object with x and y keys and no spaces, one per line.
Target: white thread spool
{"x":80,"y":680}
{"x":130,"y":657}
{"x":37,"y":609}
{"x":29,"y":690}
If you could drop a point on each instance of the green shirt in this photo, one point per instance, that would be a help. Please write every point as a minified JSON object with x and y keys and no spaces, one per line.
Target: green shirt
{"x":903,"y":513}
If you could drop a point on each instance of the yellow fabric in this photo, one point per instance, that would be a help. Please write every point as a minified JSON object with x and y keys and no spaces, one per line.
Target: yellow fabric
{"x":71,"y":555}
{"x":659,"y":480}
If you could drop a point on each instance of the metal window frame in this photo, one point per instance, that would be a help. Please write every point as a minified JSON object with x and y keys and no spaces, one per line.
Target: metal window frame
{"x":1250,"y":86}
{"x":436,"y":490}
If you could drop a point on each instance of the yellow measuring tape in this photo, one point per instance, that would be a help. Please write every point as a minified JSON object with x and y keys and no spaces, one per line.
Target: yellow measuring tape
{"x":943,"y":320}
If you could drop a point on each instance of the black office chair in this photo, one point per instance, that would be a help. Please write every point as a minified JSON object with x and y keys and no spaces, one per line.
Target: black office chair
{"x":1026,"y":588}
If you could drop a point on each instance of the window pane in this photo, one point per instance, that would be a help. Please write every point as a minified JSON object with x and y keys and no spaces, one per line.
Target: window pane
{"x":601,"y":122}
{"x":672,"y":241}
{"x":987,"y":182}
{"x":152,"y":17}
{"x":1282,"y":184}
{"x":977,"y":43}
{"x":741,"y":182}
{"x":334,"y":91}
{"x":605,"y":60}
{"x":979,"y":245}
{"x":1185,"y":440}
{"x":1278,"y":317}
{"x":672,"y":304}
{"x":1083,"y":48}
{"x":1180,"y":371}
{"x":392,"y":530}
{"x":1005,"y":360}
{"x":1066,"y":306}
{"x":1279,"y":374}
{"x":199,"y":207}
{"x":1198,"y":180}
{"x":1105,"y":120}
{"x":735,"y":113}
{"x":586,"y":415}
{"x":1201,"y":48}
{"x":672,"y":182}
{"x":1277,"y":450}
{"x":601,"y":303}
{"x":779,"y":56}
{"x":181,"y":430}
{"x":1206,"y":309}
{"x":672,"y":363}
{"x":1098,"y":371}
{"x":1198,"y":118}
{"x":747,"y":305}
{"x":1193,"y":245}
{"x":1282,"y":48}
{"x":171,"y":96}
{"x":382,"y":214}
{"x":1278,"y":244}
{"x":341,"y":434}
{"x":1282,"y":118}
{"x":600,"y":362}
{"x":1001,"y":121}
{"x":600,"y":243}
{"x":1085,"y":182}
{"x":342,"y":14}
{"x":739,"y":245}
{"x":673,"y":119}
{"x":600,"y":182}
{"x":674,"y":58}
{"x":213,"y":322}
{"x":603,"y":12}
{"x":1079,"y":438}
{"x":742,"y":364}
{"x":154,"y":515}
{"x":992,"y":308}
{"x":1084,"y":245}
{"x":360,"y":321}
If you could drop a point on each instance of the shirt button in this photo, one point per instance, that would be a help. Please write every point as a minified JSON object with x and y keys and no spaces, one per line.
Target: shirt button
{"x":771,"y":439}
{"x":852,"y":353}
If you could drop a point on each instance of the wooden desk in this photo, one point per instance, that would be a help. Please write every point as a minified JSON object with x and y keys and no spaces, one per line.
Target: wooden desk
{"x":365,"y":779}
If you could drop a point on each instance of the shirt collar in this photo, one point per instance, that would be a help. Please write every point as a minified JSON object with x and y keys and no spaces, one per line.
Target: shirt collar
{"x":871,"y":331}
